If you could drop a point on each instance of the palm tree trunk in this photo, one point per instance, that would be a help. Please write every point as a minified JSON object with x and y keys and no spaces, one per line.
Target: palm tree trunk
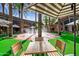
{"x":3,"y":4}
{"x":35,"y":21}
{"x":10,"y":19}
{"x":2,"y":14}
{"x":59,"y":29}
{"x":40,"y":38}
{"x":39,"y":25}
{"x":46,"y":26}
{"x":35,"y":17}
{"x":19,"y":13}
{"x":63,"y":26}
{"x":49,"y":24}
{"x":21,"y":19}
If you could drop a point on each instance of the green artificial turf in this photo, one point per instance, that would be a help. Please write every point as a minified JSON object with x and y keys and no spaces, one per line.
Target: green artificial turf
{"x":2,"y":36}
{"x":5,"y":46}
{"x":25,"y":44}
{"x":69,"y":39}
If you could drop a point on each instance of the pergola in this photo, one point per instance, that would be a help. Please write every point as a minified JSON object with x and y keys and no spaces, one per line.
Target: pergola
{"x":57,"y":10}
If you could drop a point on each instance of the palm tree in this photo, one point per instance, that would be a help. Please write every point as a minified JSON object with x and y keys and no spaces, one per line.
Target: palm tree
{"x":59,"y":29}
{"x":46,"y":22}
{"x":3,"y":4}
{"x":49,"y":24}
{"x":35,"y":18}
{"x":20,"y":6}
{"x":2,"y":14}
{"x":10,"y":19}
{"x":35,"y":22}
{"x":39,"y":25}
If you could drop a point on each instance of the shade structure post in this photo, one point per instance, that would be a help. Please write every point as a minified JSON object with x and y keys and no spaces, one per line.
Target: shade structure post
{"x":74,"y":9}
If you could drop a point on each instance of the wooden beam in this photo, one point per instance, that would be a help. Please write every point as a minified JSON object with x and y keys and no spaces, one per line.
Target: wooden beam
{"x":46,"y":13}
{"x":49,"y":7}
{"x":55,"y":6}
{"x":37,"y":6}
{"x":31,"y":4}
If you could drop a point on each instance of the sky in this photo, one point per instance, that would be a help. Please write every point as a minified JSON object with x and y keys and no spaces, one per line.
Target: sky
{"x":27,"y":15}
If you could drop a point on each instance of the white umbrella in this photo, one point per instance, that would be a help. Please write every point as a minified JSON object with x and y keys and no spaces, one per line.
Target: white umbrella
{"x":32,"y":27}
{"x":4,"y":25}
{"x":16,"y":26}
{"x":5,"y":21}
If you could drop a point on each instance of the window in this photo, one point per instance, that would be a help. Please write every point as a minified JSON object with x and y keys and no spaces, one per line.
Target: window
{"x":67,"y":21}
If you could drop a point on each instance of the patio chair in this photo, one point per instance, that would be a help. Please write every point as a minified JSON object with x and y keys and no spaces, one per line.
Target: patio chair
{"x":60,"y":46}
{"x":17,"y":49}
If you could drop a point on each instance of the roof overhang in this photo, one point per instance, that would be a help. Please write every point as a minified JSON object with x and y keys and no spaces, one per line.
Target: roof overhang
{"x":72,"y":23}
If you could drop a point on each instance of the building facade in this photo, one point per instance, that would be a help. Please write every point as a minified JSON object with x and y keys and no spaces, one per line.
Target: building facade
{"x":16,"y":24}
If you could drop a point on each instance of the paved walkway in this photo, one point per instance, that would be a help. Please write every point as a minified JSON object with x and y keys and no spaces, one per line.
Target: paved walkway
{"x":24,"y":36}
{"x":31,"y":36}
{"x":45,"y":35}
